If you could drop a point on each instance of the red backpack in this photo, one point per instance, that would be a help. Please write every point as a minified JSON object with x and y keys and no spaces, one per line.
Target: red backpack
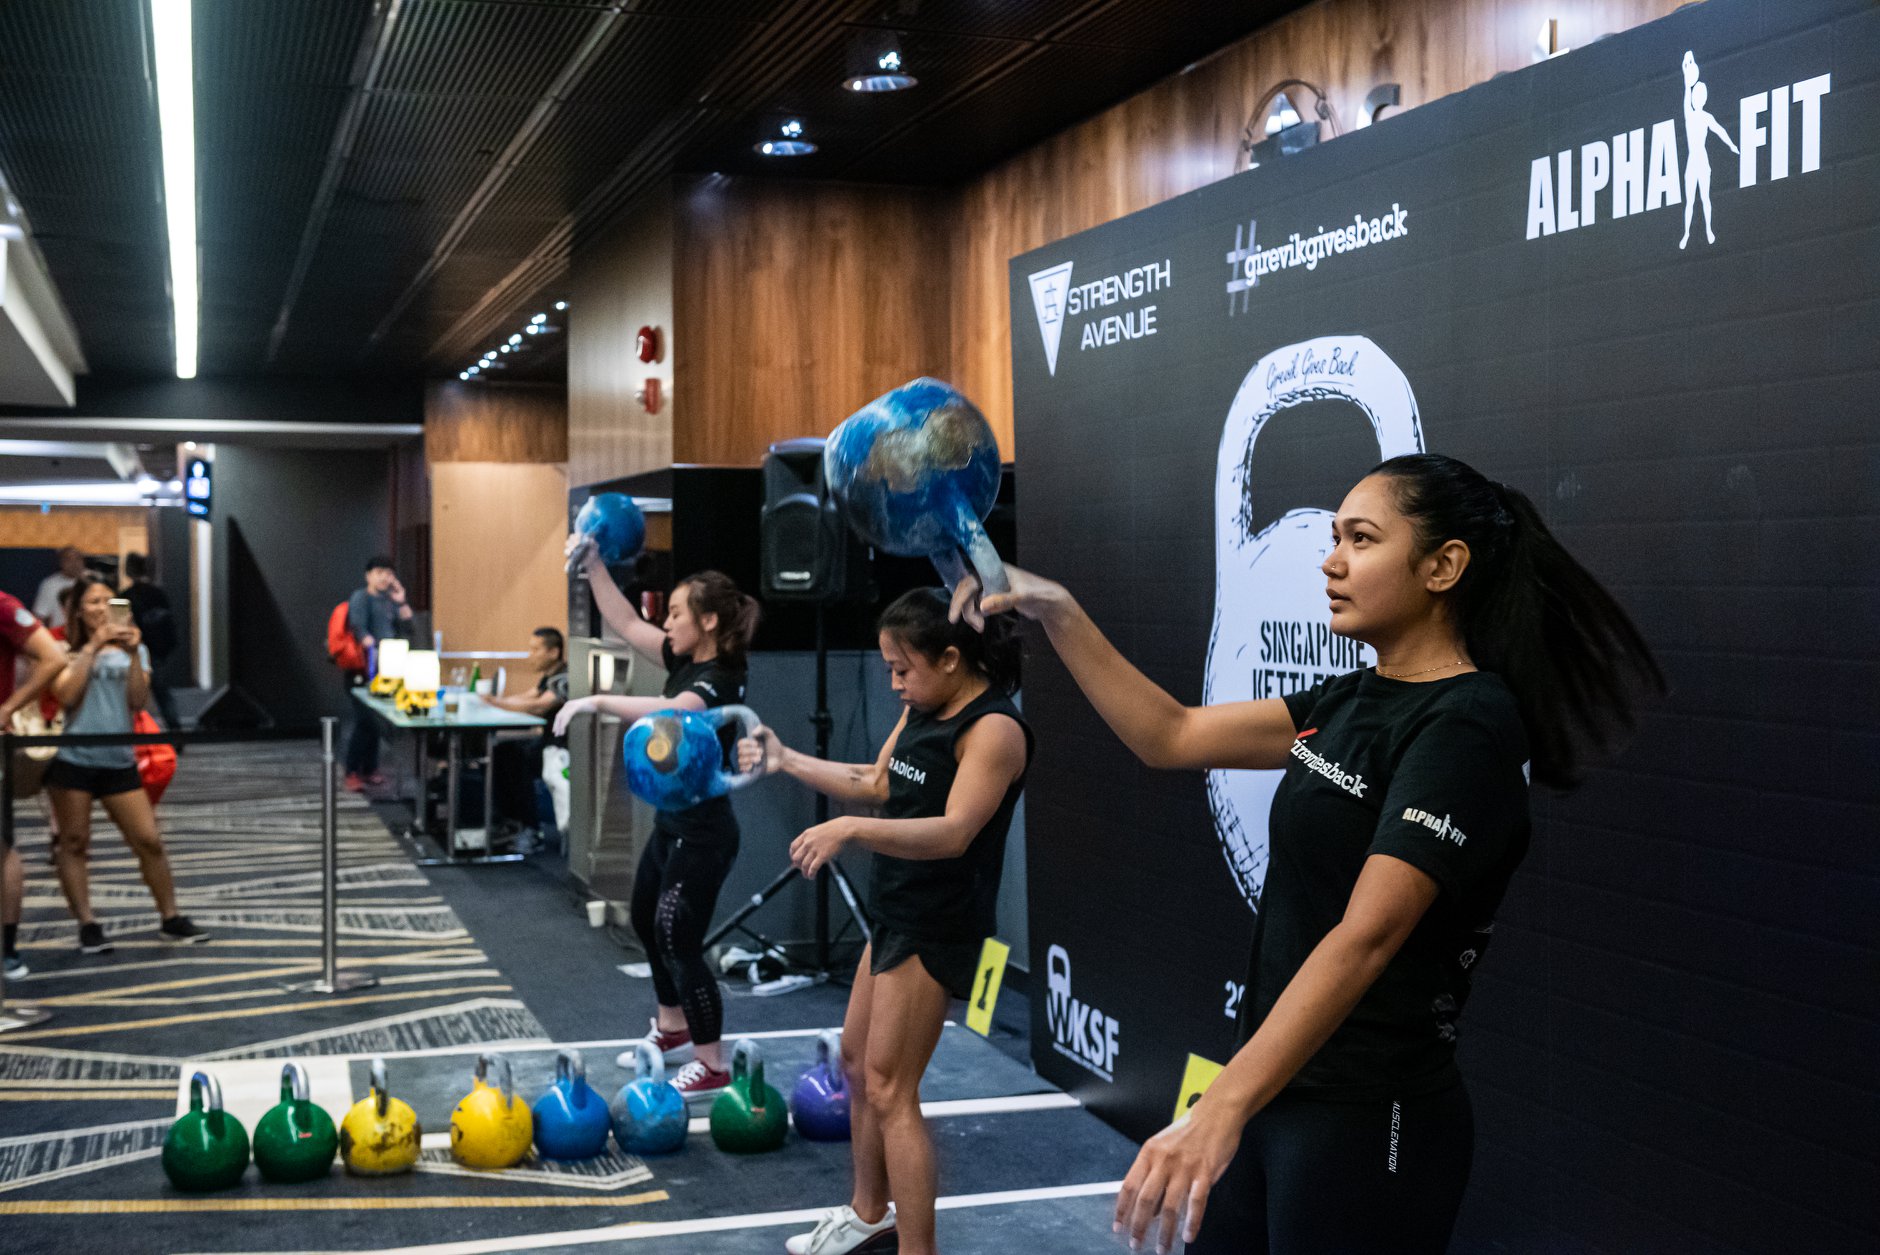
{"x":341,"y":645}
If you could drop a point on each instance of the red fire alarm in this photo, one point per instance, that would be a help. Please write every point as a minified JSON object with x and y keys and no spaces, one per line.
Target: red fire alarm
{"x":649,"y":395}
{"x":649,"y":344}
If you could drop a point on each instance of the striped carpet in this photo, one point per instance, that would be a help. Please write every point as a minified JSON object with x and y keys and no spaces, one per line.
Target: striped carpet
{"x":97,"y":1083}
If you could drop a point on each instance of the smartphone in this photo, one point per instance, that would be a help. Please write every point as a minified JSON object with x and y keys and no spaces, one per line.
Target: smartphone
{"x":119,"y":612}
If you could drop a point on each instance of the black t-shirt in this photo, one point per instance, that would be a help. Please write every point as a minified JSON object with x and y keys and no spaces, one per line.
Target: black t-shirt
{"x":1435,"y":775}
{"x":718,"y":684}
{"x":555,"y":683}
{"x":943,"y":899}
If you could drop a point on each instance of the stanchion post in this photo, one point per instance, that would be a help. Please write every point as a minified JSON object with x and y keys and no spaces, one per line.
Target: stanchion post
{"x":17,"y":1016}
{"x":331,"y":980}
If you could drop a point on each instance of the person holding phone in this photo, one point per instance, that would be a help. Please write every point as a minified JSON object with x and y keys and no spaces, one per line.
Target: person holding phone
{"x":105,"y":681}
{"x":374,"y":613}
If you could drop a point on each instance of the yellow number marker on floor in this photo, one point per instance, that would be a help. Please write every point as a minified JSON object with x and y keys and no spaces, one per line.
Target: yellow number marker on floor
{"x":1196,"y":1077}
{"x":986,"y":986}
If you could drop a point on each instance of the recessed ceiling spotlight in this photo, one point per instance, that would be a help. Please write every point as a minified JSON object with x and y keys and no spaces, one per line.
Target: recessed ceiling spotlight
{"x":884,"y":74}
{"x":534,"y":328}
{"x":560,"y":305}
{"x":463,"y":374}
{"x":790,"y":142}
{"x":539,"y":319}
{"x":509,"y":348}
{"x":515,"y":339}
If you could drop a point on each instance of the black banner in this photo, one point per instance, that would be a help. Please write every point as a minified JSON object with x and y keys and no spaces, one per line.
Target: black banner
{"x":1565,"y":276}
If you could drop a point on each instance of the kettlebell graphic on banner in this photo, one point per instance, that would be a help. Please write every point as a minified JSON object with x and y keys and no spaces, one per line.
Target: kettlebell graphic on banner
{"x":1272,"y":625}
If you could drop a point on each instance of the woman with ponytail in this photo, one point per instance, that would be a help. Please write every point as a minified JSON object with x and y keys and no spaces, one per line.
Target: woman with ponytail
{"x":946,"y":783}
{"x":709,"y":625}
{"x":1341,"y":1124}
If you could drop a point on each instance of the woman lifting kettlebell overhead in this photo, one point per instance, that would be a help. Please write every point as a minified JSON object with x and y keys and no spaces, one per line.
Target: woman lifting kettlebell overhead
{"x":946,"y":782}
{"x":1341,"y":1123}
{"x":709,"y":625}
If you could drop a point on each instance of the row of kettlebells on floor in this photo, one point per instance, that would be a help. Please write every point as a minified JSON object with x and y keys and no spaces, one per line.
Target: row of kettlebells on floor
{"x":493,"y":1128}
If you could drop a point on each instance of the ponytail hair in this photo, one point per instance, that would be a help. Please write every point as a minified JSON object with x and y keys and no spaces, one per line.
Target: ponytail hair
{"x":714,"y":592}
{"x":918,"y":619}
{"x":1529,"y":612}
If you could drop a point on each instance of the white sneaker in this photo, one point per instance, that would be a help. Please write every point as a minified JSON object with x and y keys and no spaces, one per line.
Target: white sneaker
{"x":672,"y":1047}
{"x":16,"y":968}
{"x":842,"y":1231}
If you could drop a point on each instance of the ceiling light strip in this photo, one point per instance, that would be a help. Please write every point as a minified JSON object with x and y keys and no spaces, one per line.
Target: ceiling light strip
{"x":176,"y":120}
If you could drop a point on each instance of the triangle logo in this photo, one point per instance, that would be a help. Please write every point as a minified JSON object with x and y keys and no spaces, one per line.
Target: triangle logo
{"x":1048,"y":290}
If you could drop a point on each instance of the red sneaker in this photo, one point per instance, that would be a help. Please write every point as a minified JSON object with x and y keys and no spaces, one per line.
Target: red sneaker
{"x":696,"y":1081}
{"x":353,"y":782}
{"x":672,"y":1047}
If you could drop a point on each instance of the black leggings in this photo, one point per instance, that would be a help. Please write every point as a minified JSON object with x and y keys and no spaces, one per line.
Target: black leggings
{"x":1344,"y":1178}
{"x":674,"y":893}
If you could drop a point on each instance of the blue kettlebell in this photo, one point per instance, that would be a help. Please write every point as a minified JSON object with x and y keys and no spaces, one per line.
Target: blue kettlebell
{"x":649,"y":1115}
{"x":610,"y":523}
{"x":820,"y":1102}
{"x":916,"y":471}
{"x":570,"y":1118}
{"x":675,"y":760}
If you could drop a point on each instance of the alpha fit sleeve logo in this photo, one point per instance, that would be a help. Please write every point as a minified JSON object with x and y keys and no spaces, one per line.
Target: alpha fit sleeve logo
{"x":1438,"y":824}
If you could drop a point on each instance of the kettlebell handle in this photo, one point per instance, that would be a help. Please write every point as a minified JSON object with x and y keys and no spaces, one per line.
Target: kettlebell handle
{"x":746,"y":1057}
{"x":293,"y":1083}
{"x":649,"y":1062}
{"x":570,"y":1068}
{"x":829,"y":1054}
{"x":748,"y":724}
{"x":379,"y":1090}
{"x":507,"y":1087}
{"x":205,"y":1092}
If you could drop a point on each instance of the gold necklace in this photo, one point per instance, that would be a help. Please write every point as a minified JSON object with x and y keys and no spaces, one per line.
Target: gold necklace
{"x":1405,"y":675}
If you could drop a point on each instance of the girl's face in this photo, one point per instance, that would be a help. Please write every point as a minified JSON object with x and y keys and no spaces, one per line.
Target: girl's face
{"x":925,"y":684}
{"x":95,"y":607}
{"x":684,"y":629}
{"x":1378,"y":585}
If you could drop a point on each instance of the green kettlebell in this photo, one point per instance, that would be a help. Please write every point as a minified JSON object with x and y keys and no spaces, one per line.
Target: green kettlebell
{"x":295,"y":1141}
{"x":207,"y":1148}
{"x":749,"y":1117}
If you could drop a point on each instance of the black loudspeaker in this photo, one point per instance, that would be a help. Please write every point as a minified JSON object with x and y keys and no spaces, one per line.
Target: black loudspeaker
{"x":809,"y":553}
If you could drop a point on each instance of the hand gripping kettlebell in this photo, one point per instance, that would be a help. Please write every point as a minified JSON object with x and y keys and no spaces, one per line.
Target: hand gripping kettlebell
{"x":1272,"y":622}
{"x":649,"y":1115}
{"x":749,"y":1116}
{"x":570,"y":1118}
{"x":380,"y":1136}
{"x":207,"y":1148}
{"x":295,"y":1141}
{"x":820,"y":1102}
{"x":491,"y":1127}
{"x":675,"y":760}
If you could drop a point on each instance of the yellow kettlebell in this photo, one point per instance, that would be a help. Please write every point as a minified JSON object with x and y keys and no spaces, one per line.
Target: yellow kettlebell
{"x":380,"y":1136}
{"x":491,"y":1127}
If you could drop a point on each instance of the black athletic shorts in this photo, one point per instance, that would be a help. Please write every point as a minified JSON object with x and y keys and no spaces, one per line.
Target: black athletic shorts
{"x":953,"y":964}
{"x":97,"y":781}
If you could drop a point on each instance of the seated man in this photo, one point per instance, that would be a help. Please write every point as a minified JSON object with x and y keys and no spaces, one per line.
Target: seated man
{"x":518,"y":764}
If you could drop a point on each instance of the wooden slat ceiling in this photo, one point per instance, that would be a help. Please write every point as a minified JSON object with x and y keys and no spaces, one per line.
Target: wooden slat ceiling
{"x":382,"y":184}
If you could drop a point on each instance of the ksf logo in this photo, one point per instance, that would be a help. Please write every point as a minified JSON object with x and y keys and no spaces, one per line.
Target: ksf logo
{"x":1641,"y":175}
{"x":1079,"y":1031}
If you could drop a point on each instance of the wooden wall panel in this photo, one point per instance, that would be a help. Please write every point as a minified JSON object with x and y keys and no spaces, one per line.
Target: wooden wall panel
{"x":797,"y":303}
{"x":94,"y":529}
{"x":497,"y":533}
{"x":1184,"y":133}
{"x":619,"y":284}
{"x":495,"y":422}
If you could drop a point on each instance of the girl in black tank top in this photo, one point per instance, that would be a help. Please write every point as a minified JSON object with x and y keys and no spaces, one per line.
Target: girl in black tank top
{"x":690,"y":853}
{"x":946,"y":784}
